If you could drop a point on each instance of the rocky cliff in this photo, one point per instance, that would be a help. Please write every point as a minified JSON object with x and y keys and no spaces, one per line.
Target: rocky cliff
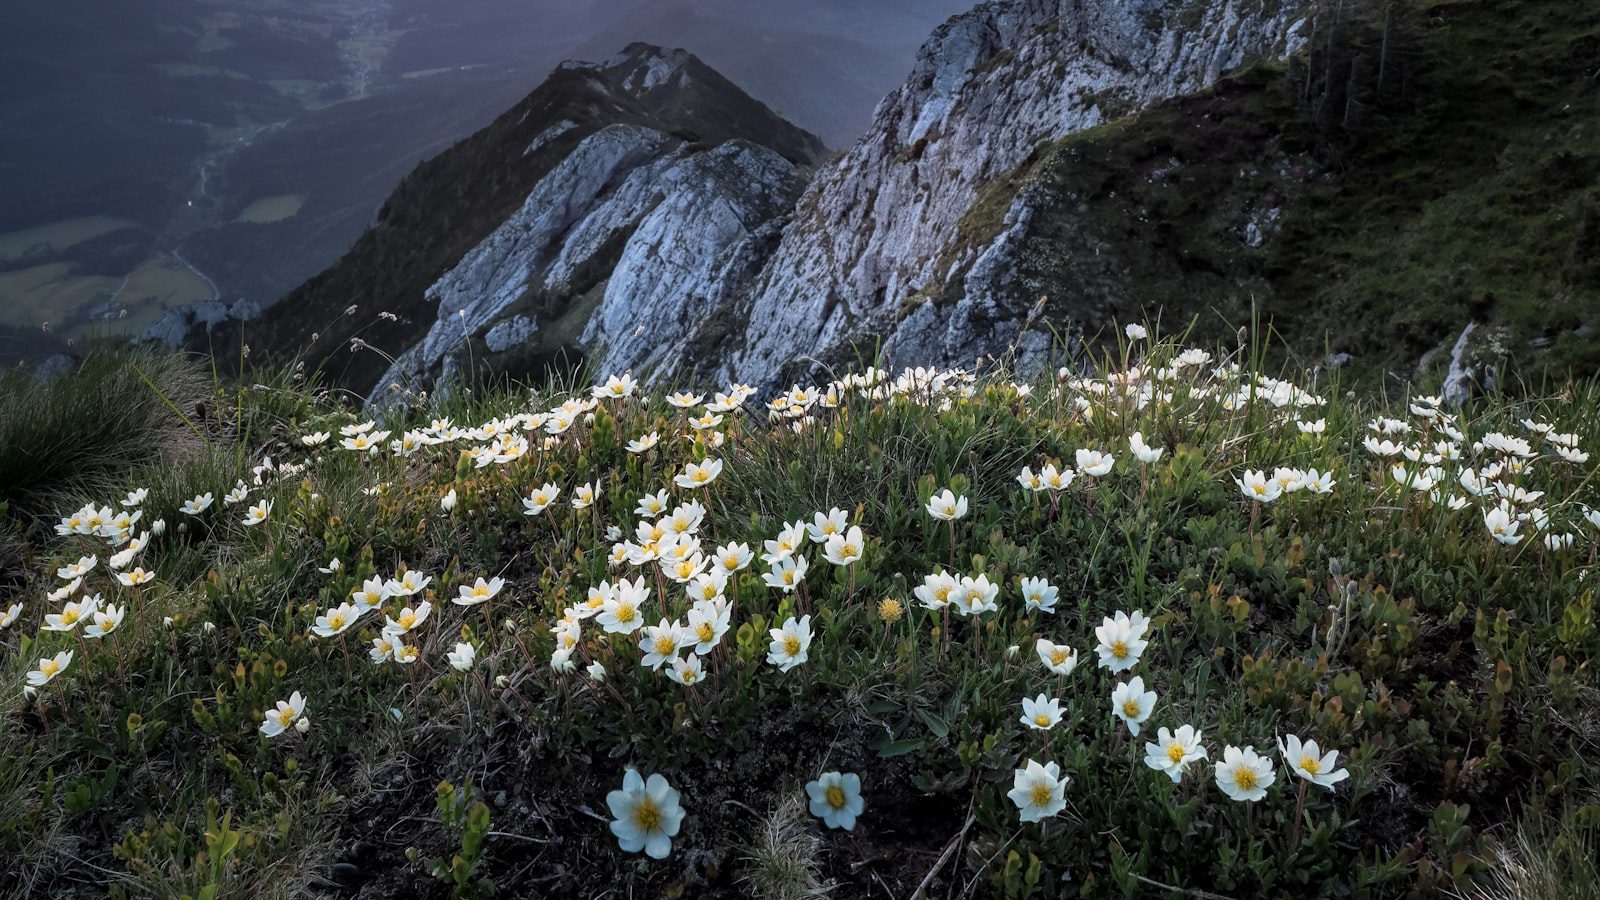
{"x":455,"y":263}
{"x":875,"y":237}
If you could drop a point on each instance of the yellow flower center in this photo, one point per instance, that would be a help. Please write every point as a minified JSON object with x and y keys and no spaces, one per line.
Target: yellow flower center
{"x":1175,"y":752}
{"x":285,"y":717}
{"x":704,"y":631}
{"x":701,"y":476}
{"x":1058,"y":656}
{"x":625,"y":614}
{"x":1119,"y":649}
{"x":69,"y":617}
{"x":791,"y":645}
{"x":49,"y":667}
{"x":646,"y":816}
{"x":665,"y":646}
{"x":835,"y":796}
{"x":1245,"y":778}
{"x":1130,"y":708}
{"x":408,"y":619}
{"x":849,"y":550}
{"x":1041,"y":794}
{"x":335,"y":620}
{"x":1310,"y":765}
{"x":1042,"y":720}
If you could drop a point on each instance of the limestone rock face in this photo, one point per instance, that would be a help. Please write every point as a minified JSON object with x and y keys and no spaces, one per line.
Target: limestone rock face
{"x":717,"y":262}
{"x":652,"y":215}
{"x":875,"y":229}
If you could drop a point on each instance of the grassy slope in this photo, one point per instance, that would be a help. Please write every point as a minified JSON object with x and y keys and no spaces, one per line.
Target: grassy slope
{"x":1458,"y":684}
{"x":1466,"y":190}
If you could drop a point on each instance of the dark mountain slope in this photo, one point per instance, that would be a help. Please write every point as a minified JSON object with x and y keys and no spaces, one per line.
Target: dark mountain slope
{"x":450,"y":203}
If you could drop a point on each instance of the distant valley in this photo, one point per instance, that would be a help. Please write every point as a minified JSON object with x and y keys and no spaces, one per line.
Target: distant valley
{"x":178,"y":151}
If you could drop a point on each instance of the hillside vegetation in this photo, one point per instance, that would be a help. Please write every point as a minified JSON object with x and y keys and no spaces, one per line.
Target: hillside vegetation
{"x":281,"y":648}
{"x":1418,"y":165}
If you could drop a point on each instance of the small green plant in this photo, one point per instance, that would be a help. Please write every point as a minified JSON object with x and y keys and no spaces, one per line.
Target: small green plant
{"x":467,"y":819}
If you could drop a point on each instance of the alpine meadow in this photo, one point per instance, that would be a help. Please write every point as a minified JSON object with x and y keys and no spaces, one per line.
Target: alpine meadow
{"x":1122,"y":448}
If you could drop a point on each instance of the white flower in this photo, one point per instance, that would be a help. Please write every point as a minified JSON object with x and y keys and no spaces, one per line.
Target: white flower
{"x":646,"y":815}
{"x":597,"y":671}
{"x":1058,"y":658}
{"x":1135,"y":331}
{"x":787,"y":574}
{"x":708,"y":622}
{"x":258,"y":513}
{"x":409,"y":584}
{"x":1132,"y":703}
{"x":82,"y":567}
{"x":1029,"y":480}
{"x":584,"y":495}
{"x":686,"y":670}
{"x":49,"y":668}
{"x":9,"y":616}
{"x":975,"y":596}
{"x":661,"y":643}
{"x":699,"y":475}
{"x":824,"y":526}
{"x":1307,"y":761}
{"x":946,"y":506}
{"x":844,"y":549}
{"x":105,"y":621}
{"x":285,"y":716}
{"x":1243,"y":775}
{"x":1056,"y":479}
{"x":480,"y":591}
{"x":1039,"y":595}
{"x":1121,"y":640}
{"x":790,"y":644}
{"x":620,"y":612}
{"x":1315,"y":482}
{"x":836,"y":799}
{"x":1094,"y":463}
{"x":372,"y":592}
{"x":1258,"y":487}
{"x":336,"y":621}
{"x":617,"y":387}
{"x":936,"y":590}
{"x":538,"y":501}
{"x":462,"y":657}
{"x":1502,"y":526}
{"x":448,"y":501}
{"x":197,"y":505}
{"x":1142,"y":451}
{"x":136,"y":577}
{"x":1172,"y":751}
{"x":644,"y":442}
{"x":1039,"y":792}
{"x":408,"y":619}
{"x":71,"y":615}
{"x":1041,"y":713}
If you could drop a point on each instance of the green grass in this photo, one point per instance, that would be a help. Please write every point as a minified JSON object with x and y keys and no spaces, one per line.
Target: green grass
{"x":1454,"y":676}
